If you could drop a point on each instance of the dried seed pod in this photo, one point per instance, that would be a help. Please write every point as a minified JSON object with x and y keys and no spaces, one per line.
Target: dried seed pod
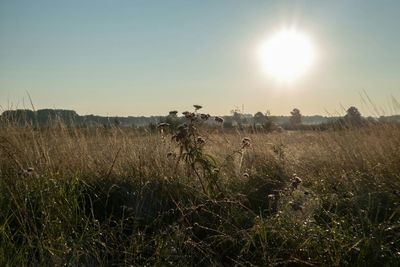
{"x":219,"y":119}
{"x":296,"y":181}
{"x":201,"y":140}
{"x":246,"y":142}
{"x":189,"y":115}
{"x":197,"y":107}
{"x":204,"y":116}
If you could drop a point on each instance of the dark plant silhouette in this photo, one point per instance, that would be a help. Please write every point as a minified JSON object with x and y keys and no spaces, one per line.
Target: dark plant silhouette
{"x":191,"y":145}
{"x":295,"y":118}
{"x":261,"y":119}
{"x":353,"y":116}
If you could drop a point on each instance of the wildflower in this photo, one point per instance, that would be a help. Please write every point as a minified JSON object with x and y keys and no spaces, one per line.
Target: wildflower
{"x":219,"y":119}
{"x":246,"y":142}
{"x":189,"y":115}
{"x":200,"y":140}
{"x":182,"y":132}
{"x":204,"y":116}
{"x":296,"y":181}
{"x":197,"y":107}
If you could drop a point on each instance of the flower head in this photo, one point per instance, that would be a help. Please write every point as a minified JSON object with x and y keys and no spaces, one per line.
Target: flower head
{"x":200,"y":140}
{"x":219,"y":119}
{"x":197,"y":107}
{"x":246,"y":142}
{"x":204,"y":116}
{"x":296,"y":181}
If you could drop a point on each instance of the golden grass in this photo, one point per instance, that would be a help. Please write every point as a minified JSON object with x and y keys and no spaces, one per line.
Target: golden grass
{"x":344,"y":173}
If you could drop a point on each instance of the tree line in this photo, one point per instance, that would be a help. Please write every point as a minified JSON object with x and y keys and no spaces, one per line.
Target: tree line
{"x":237,"y":119}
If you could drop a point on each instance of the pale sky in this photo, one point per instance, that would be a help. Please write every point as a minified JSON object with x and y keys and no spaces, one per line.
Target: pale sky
{"x":149,"y":57}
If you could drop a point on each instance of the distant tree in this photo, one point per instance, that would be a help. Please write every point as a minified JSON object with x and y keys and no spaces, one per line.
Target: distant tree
{"x":263,"y":120}
{"x":228,"y":122}
{"x":117,"y":122}
{"x":353,"y":116}
{"x":295,"y":118}
{"x":173,"y":114}
{"x":259,"y":118}
{"x":19,"y":116}
{"x":172,"y":118}
{"x":237,"y":117}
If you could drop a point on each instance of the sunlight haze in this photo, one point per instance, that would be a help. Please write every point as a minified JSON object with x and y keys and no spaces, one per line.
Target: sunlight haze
{"x":150,"y":57}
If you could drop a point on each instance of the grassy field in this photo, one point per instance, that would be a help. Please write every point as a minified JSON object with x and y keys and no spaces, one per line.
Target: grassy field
{"x":119,"y":196}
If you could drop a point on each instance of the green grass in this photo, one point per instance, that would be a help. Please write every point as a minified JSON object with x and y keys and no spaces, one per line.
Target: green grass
{"x":112,"y":197}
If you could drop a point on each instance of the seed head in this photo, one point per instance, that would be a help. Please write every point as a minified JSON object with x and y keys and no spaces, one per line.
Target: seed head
{"x":200,"y":140}
{"x":197,"y":107}
{"x":189,"y":115}
{"x":296,"y":181}
{"x":219,"y":119}
{"x":246,"y":142}
{"x":181,"y":133}
{"x":204,"y":116}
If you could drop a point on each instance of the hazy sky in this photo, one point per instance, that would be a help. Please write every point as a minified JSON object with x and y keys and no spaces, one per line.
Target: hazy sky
{"x":149,"y":57}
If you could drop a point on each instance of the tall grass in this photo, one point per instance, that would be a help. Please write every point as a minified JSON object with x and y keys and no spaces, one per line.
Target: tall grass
{"x":116,"y":196}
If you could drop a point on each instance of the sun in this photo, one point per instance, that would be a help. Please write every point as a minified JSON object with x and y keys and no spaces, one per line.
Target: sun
{"x":287,"y":54}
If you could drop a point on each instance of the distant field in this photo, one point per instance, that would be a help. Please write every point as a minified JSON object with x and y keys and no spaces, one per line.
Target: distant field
{"x":116,"y":196}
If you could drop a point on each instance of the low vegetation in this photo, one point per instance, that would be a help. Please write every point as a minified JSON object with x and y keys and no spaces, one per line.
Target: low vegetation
{"x":193,"y":195}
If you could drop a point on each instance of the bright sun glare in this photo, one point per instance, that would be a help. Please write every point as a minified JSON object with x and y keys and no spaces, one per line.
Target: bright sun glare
{"x":287,"y":55}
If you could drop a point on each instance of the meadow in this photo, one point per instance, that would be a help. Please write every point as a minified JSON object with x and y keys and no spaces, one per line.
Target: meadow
{"x":199,"y":196}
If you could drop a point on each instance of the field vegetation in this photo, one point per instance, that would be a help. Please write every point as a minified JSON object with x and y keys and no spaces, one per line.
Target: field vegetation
{"x":198,"y":195}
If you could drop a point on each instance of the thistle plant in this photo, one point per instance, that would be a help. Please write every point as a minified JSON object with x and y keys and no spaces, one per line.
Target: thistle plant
{"x":191,"y":151}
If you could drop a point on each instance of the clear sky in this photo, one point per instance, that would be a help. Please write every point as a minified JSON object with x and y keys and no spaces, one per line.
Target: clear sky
{"x":149,"y":57}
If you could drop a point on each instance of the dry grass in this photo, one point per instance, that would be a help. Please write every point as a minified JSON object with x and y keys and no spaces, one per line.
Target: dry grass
{"x":96,"y":196}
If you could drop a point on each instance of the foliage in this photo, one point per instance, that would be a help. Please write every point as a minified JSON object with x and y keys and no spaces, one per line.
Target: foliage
{"x":115,"y":196}
{"x":191,"y":145}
